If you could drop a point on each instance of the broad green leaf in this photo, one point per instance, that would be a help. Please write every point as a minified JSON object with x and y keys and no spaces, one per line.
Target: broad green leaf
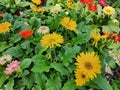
{"x":15,"y":38}
{"x":25,"y":63}
{"x":102,"y":83}
{"x":15,"y":51}
{"x":37,"y":88}
{"x":81,"y":38}
{"x":60,"y":68}
{"x":53,"y":84}
{"x":73,"y":14}
{"x":69,"y":85}
{"x":3,"y":46}
{"x":40,"y":65}
{"x":10,"y":84}
{"x":2,"y":79}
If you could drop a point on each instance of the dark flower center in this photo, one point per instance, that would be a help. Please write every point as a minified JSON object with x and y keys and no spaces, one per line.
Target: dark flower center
{"x":88,"y":66}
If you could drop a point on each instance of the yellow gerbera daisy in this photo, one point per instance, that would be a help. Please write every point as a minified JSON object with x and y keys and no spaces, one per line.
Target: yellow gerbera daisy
{"x":49,"y":40}
{"x":4,"y":27}
{"x":89,"y":64}
{"x":37,"y":2}
{"x":81,"y":78}
{"x":70,"y":4}
{"x":96,"y":36}
{"x":68,"y":23}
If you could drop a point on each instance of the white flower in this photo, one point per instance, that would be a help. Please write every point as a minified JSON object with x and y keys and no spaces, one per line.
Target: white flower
{"x":43,"y":29}
{"x":56,"y":8}
{"x":4,"y":59}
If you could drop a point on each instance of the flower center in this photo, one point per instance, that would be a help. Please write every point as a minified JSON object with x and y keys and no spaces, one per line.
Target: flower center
{"x":83,"y":76}
{"x":88,"y":66}
{"x":43,"y":28}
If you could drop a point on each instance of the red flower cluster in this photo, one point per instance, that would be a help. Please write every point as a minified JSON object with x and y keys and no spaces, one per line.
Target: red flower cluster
{"x":114,"y":36}
{"x":26,"y":33}
{"x":92,"y":7}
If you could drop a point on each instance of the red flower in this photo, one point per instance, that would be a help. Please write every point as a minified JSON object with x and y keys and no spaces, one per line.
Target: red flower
{"x":26,"y":33}
{"x":117,"y":38}
{"x":92,"y":7}
{"x":86,"y":1}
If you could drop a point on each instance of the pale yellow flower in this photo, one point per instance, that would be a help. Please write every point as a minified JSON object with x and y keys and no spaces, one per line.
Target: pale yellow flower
{"x":115,"y":21}
{"x":56,"y":8}
{"x":108,"y":10}
{"x":43,"y":29}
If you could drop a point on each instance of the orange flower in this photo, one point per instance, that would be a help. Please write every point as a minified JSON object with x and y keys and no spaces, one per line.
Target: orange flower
{"x":1,"y":14}
{"x":26,"y":33}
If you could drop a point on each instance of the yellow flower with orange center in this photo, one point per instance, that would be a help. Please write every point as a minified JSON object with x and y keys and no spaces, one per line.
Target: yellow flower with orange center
{"x":49,"y":40}
{"x":37,"y":2}
{"x":4,"y":27}
{"x":36,"y":9}
{"x":108,"y":10}
{"x":69,"y":23}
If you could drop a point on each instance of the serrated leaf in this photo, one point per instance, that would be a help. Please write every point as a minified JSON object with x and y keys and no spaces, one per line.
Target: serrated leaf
{"x":69,"y":85}
{"x":60,"y":68}
{"x":10,"y":84}
{"x":102,"y":83}
{"x":15,"y":51}
{"x":25,"y":63}
{"x":81,"y":38}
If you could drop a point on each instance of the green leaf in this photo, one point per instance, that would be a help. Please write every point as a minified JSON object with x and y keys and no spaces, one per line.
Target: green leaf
{"x":25,"y":63}
{"x":10,"y":84}
{"x":37,"y":88}
{"x":53,"y":84}
{"x":69,"y":85}
{"x":73,"y":14}
{"x":40,"y":64}
{"x":60,"y":68}
{"x":3,"y":46}
{"x":15,"y":51}
{"x":102,"y":83}
{"x":2,"y":79}
{"x":81,"y":38}
{"x":15,"y":38}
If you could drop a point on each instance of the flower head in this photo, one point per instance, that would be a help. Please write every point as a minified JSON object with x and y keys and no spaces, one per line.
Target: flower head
{"x":56,"y":8}
{"x":108,"y":10}
{"x":43,"y":29}
{"x":69,"y":23}
{"x":49,"y":40}
{"x":70,"y":4}
{"x":89,"y":64}
{"x":92,"y":7}
{"x":102,"y":3}
{"x":26,"y":33}
{"x":12,"y":67}
{"x":36,"y":9}
{"x":86,"y":1}
{"x":37,"y":2}
{"x":4,"y":59}
{"x":96,"y":36}
{"x":1,"y":14}
{"x":4,"y":27}
{"x":81,"y":78}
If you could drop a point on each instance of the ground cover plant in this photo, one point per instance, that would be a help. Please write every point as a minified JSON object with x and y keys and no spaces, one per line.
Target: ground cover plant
{"x":59,"y":44}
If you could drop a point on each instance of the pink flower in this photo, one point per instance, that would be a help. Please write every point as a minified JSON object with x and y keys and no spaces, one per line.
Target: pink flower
{"x":12,"y":67}
{"x":102,"y":3}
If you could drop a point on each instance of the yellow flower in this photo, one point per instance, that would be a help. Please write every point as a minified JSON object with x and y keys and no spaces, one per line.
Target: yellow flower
{"x":88,"y":64}
{"x":70,"y":4}
{"x":68,"y":23}
{"x":115,"y":21}
{"x":108,"y":10}
{"x":49,"y":40}
{"x":36,"y":9}
{"x":96,"y":36}
{"x":37,"y":2}
{"x":4,"y":27}
{"x":81,"y":78}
